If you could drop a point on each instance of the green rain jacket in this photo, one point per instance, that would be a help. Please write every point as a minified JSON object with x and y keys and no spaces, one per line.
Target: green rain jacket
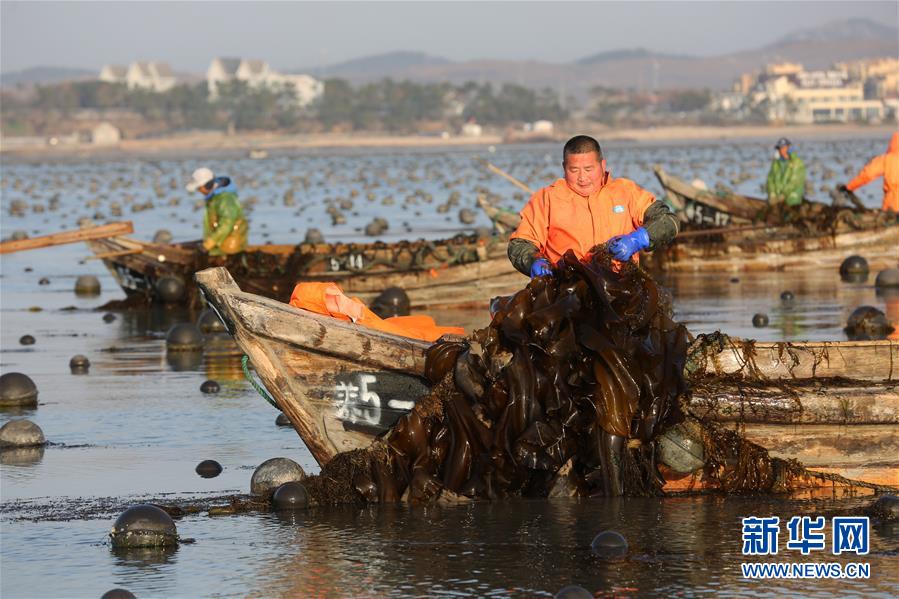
{"x":224,"y":221}
{"x":786,"y":180}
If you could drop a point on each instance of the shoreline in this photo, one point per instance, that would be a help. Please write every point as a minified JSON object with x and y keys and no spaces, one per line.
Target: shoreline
{"x":219,"y":142}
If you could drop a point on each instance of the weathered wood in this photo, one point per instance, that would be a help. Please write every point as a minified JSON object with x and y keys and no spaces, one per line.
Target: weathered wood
{"x":725,"y":400}
{"x":742,"y":208}
{"x":487,"y":272}
{"x":757,"y":360}
{"x":78,"y":235}
{"x":116,"y":254}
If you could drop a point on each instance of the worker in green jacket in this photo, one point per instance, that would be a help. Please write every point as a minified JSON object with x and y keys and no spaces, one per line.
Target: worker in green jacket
{"x":786,"y":178}
{"x":224,"y":225}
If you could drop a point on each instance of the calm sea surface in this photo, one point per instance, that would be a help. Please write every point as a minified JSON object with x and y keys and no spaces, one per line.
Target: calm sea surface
{"x":137,"y":425}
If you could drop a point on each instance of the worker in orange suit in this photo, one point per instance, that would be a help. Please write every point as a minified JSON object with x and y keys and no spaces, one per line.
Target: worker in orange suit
{"x":886,"y":166}
{"x":586,"y":208}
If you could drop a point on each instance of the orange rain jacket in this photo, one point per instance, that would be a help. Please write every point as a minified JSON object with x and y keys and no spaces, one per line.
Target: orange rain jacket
{"x":886,"y":166}
{"x":557,"y":219}
{"x":328,"y":299}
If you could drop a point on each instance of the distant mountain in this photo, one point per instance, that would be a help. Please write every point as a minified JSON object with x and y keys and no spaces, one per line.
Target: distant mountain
{"x":45,"y":75}
{"x":846,"y":29}
{"x":623,"y":55}
{"x":639,"y":68}
{"x":386,"y":65}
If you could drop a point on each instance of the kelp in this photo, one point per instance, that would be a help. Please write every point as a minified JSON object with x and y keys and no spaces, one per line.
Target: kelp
{"x":565,"y":392}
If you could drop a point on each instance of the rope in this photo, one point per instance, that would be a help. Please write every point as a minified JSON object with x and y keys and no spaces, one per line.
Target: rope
{"x":259,"y":388}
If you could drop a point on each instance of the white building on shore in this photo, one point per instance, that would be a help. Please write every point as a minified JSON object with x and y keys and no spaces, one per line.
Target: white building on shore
{"x":155,"y":76}
{"x":258,"y":73}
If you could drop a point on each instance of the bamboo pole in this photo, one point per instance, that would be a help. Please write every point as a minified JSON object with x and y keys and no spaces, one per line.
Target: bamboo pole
{"x":506,"y":176}
{"x":117,"y":254}
{"x":98,"y":232}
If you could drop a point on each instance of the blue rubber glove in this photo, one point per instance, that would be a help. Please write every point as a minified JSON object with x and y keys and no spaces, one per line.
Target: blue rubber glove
{"x":622,"y":247}
{"x":541,"y":267}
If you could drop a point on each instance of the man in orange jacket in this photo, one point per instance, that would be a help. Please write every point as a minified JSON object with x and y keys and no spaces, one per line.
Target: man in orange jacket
{"x":586,"y":208}
{"x":886,"y":166}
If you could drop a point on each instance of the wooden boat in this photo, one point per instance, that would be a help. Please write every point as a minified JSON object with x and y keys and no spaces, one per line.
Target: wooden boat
{"x":732,"y":245}
{"x":456,"y":271}
{"x":342,"y":385}
{"x":706,"y":208}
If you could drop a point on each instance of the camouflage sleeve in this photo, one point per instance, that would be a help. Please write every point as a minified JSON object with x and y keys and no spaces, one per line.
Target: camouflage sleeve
{"x":522,"y":254}
{"x":660,"y":223}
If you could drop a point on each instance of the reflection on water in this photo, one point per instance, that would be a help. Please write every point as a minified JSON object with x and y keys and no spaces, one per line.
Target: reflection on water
{"x":137,"y":424}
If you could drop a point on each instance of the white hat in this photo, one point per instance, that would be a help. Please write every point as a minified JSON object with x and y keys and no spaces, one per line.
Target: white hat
{"x":201,"y":177}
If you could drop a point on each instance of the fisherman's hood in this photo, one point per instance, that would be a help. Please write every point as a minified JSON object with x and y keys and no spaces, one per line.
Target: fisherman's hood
{"x":222,"y":185}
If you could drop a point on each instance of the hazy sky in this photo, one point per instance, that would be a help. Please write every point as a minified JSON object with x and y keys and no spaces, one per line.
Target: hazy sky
{"x":298,"y":34}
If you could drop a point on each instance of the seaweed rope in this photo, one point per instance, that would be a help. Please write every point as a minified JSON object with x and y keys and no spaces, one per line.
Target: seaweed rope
{"x":244,"y":361}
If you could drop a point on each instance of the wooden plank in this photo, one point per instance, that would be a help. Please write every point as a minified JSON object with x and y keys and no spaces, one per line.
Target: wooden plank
{"x":856,"y":360}
{"x":115,"y":254}
{"x":78,"y":235}
{"x":730,"y":401}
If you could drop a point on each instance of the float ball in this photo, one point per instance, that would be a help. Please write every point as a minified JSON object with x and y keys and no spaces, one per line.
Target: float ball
{"x":273,"y":473}
{"x":573,"y":591}
{"x":393,"y":301}
{"x":283,"y":420}
{"x":609,"y":545}
{"x":79,"y":364}
{"x":854,"y":268}
{"x":170,"y":289}
{"x":209,"y":322}
{"x":290,"y":496}
{"x":87,"y":285}
{"x":118,"y":594}
{"x":887,"y":278}
{"x":209,"y":469}
{"x":787,"y":297}
{"x":210,"y":386}
{"x":144,"y":526}
{"x":760,"y":320}
{"x":886,"y":508}
{"x":17,"y":389}
{"x":314,"y":236}
{"x":21,"y":433}
{"x":162,"y":236}
{"x":109,"y":317}
{"x":26,"y":340}
{"x":184,"y":337}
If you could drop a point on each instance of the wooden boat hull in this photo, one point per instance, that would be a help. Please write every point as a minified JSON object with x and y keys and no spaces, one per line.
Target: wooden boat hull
{"x":450,"y":275}
{"x":874,"y":235}
{"x":342,"y":385}
{"x":780,"y":249}
{"x":705,"y":208}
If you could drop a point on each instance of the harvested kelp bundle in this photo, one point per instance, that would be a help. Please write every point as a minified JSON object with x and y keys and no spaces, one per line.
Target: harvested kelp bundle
{"x":584,"y":367}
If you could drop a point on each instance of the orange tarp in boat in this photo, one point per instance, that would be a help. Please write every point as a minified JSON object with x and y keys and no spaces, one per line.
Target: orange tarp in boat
{"x":329,"y":299}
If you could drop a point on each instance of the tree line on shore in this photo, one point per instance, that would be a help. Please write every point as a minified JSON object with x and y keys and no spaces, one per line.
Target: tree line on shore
{"x":387,"y":105}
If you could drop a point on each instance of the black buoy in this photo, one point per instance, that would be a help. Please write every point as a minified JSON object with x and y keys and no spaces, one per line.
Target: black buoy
{"x":79,"y":364}
{"x":760,"y":320}
{"x":26,"y":340}
{"x":573,"y":591}
{"x":184,"y":337}
{"x":273,"y":473}
{"x":162,"y":236}
{"x":209,"y":322}
{"x":21,"y":433}
{"x":609,"y":545}
{"x":43,"y":281}
{"x":867,"y":323}
{"x":887,"y":278}
{"x":787,"y":297}
{"x":283,"y":420}
{"x":144,"y":526}
{"x":118,"y":594}
{"x":210,"y":386}
{"x":109,"y":317}
{"x":314,"y":236}
{"x":170,"y":289}
{"x":17,"y":389}
{"x":854,"y":269}
{"x":467,"y":216}
{"x":393,"y":301}
{"x":209,"y":469}
{"x":87,"y":285}
{"x":373,"y":229}
{"x":735,"y":279}
{"x":290,"y":496}
{"x":886,"y":508}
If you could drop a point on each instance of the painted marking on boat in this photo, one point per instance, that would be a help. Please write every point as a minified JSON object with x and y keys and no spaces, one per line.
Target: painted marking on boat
{"x":350,"y":262}
{"x":374,"y":401}
{"x":702,"y":214}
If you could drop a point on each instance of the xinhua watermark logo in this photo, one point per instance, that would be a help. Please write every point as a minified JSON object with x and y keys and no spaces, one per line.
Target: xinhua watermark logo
{"x":806,"y":535}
